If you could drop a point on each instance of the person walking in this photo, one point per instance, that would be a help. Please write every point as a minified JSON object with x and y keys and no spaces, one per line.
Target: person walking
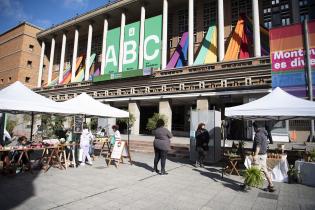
{"x":260,"y":153}
{"x":202,"y":141}
{"x":85,"y":140}
{"x":161,"y":145}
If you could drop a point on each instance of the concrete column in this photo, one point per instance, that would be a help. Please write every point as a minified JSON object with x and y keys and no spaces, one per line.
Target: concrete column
{"x":191,"y":33}
{"x":166,"y":109}
{"x":51,"y":59}
{"x":140,"y":66}
{"x":164,"y":34}
{"x":75,"y":54}
{"x":104,"y":46}
{"x":221,"y":48}
{"x":41,"y":63}
{"x":202,"y":104}
{"x":134,"y":109}
{"x":88,"y":53}
{"x":62,"y":58}
{"x":256,"y":27}
{"x":121,"y":45}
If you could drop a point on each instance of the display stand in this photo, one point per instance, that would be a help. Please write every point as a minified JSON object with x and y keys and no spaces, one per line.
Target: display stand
{"x":119,"y":152}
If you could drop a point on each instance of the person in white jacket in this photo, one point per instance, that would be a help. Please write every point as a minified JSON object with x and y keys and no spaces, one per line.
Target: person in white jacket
{"x":85,"y":140}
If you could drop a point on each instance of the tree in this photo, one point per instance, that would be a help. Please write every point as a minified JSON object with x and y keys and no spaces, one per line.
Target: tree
{"x":151,"y":125}
{"x":132,"y":120}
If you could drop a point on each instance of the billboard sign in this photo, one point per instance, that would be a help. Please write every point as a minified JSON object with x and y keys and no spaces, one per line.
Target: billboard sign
{"x":288,"y":58}
{"x":151,"y":47}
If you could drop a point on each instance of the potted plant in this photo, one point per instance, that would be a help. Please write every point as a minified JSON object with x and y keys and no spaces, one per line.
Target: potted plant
{"x":253,"y":177}
{"x":292,"y":174}
{"x":312,"y":155}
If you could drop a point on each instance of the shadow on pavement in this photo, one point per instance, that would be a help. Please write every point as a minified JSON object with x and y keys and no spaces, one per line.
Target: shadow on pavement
{"x":16,"y":189}
{"x":215,"y":175}
{"x":142,"y":165}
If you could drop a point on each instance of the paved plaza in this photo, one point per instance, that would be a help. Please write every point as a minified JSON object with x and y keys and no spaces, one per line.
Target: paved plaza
{"x":136,"y":187}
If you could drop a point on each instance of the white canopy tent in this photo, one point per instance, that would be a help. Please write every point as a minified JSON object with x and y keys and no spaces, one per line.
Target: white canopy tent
{"x":17,"y":98}
{"x":277,"y":105}
{"x":86,"y":105}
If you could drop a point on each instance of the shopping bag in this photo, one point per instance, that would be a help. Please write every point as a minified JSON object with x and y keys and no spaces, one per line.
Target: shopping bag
{"x":80,"y":154}
{"x":112,"y":140}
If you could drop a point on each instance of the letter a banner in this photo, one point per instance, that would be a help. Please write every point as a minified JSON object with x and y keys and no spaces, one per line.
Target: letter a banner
{"x":287,"y":58}
{"x":131,"y":46}
{"x":112,"y":50}
{"x":152,"y":42}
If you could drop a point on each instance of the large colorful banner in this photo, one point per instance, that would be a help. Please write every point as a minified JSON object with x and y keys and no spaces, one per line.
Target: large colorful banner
{"x":151,"y":46}
{"x":112,"y":51}
{"x":131,"y":46}
{"x":287,"y":58}
{"x":152,"y":42}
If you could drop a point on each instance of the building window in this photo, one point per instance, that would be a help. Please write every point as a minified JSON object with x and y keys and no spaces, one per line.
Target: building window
{"x":31,"y":47}
{"x":27,"y":79}
{"x":9,"y":79}
{"x":44,"y":67}
{"x":240,"y":7}
{"x":285,"y":21}
{"x":2,"y":81}
{"x":29,"y":64}
{"x":170,"y":43}
{"x":209,"y":14}
{"x":43,"y":81}
{"x":182,"y":21}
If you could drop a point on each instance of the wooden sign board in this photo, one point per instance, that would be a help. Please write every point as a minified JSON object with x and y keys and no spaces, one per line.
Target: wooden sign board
{"x":120,"y":151}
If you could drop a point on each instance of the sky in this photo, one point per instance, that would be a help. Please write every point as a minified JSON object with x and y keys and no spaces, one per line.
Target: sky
{"x":42,"y":13}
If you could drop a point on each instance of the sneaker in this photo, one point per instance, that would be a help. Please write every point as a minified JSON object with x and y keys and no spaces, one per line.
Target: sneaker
{"x":90,"y":163}
{"x":82,"y":164}
{"x":271,"y":188}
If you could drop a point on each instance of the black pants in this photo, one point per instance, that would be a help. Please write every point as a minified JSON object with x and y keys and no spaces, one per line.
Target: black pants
{"x":201,"y":154}
{"x":160,"y":155}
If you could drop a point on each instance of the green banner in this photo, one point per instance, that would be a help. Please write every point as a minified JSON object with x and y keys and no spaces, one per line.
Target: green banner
{"x":112,"y":50}
{"x":121,"y":75}
{"x":152,"y":42}
{"x":131,"y":46}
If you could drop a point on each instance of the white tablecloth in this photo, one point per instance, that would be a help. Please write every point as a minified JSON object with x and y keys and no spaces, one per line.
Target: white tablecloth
{"x":306,"y":172}
{"x":278,"y":172}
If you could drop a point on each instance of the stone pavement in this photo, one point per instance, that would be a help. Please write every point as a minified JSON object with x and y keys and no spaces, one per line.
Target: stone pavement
{"x":136,"y":187}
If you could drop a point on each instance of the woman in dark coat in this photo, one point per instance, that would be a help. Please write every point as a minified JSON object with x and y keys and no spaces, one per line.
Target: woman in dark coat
{"x":202,"y":141}
{"x":161,"y":145}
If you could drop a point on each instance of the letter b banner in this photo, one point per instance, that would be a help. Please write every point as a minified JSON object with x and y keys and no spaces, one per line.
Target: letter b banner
{"x":131,"y":46}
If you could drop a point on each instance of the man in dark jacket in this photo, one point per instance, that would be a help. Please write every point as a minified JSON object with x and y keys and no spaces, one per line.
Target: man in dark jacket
{"x":260,"y":147}
{"x":202,"y":141}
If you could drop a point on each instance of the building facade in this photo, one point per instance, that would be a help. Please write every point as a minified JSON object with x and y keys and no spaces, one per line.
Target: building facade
{"x":211,"y":71}
{"x":20,"y":56}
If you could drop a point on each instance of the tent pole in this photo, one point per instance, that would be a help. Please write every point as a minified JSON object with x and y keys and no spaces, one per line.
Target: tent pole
{"x":223,"y":123}
{"x":2,"y":127}
{"x":32,"y":123}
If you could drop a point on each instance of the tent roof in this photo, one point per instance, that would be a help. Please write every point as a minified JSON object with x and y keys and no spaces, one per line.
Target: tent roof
{"x":277,"y":105}
{"x":85,"y":104}
{"x":17,"y":98}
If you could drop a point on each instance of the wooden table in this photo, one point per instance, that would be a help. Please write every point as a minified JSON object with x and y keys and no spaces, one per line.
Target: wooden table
{"x":232,"y":162}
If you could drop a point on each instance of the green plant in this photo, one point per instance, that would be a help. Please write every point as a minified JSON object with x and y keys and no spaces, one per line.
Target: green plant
{"x":253,"y":177}
{"x":132,"y":120}
{"x":151,"y":125}
{"x":10,"y":126}
{"x":292,"y":174}
{"x":312,"y":155}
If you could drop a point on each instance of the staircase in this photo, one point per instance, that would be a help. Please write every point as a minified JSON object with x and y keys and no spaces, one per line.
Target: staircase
{"x":177,"y":150}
